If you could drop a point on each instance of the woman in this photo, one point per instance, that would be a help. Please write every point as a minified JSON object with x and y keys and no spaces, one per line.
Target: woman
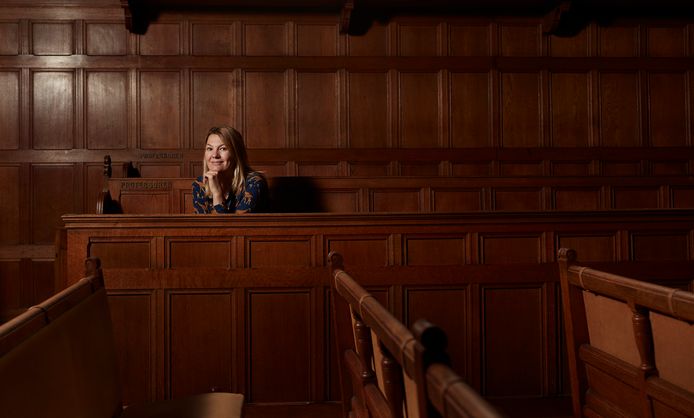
{"x":228,"y":184}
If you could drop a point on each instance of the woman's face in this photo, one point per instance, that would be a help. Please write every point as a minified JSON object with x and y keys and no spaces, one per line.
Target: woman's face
{"x":218,"y":155}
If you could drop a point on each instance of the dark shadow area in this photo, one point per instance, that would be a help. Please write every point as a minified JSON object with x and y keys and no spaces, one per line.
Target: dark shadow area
{"x":294,"y":195}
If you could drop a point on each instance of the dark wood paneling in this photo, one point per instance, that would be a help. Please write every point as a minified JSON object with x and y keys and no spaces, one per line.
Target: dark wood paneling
{"x":668,"y":109}
{"x":619,"y":110}
{"x":161,"y":39}
{"x":667,"y":41}
{"x":214,"y":103}
{"x":419,"y":110}
{"x":638,"y":198}
{"x":265,"y":112}
{"x":577,"y":199}
{"x":395,"y":201}
{"x":345,"y":201}
{"x":265,"y":39}
{"x":53,"y":102}
{"x":317,"y":110}
{"x":318,"y":170}
{"x":10,"y":289}
{"x":519,"y":199}
{"x":578,"y":45}
{"x":199,"y":254}
{"x":571,"y":110}
{"x":520,"y":169}
{"x":160,"y":110}
{"x":279,"y":370}
{"x":456,"y":200}
{"x":504,"y":374}
{"x":54,"y":193}
{"x":661,"y":246}
{"x":418,"y":40}
{"x":284,"y":251}
{"x":447,"y":308}
{"x":106,"y":38}
{"x":435,"y":251}
{"x":213,"y":39}
{"x":591,"y":247}
{"x":618,"y":41}
{"x":9,"y":109}
{"x":201,"y":345}
{"x":470,"y":40}
{"x":9,"y":38}
{"x":368,"y":110}
{"x":10,"y":204}
{"x":366,"y":252}
{"x":521,"y":40}
{"x":52,"y":38}
{"x":502,"y":249}
{"x":134,"y":344}
{"x":123,"y":254}
{"x":317,"y":40}
{"x":470,"y":113}
{"x":520,"y":112}
{"x":107,"y":110}
{"x":373,"y":43}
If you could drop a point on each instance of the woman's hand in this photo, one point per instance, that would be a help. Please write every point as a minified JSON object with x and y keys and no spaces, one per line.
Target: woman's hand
{"x":215,"y":187}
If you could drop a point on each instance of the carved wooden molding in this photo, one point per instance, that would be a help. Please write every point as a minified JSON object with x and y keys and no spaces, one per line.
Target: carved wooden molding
{"x":346,"y":16}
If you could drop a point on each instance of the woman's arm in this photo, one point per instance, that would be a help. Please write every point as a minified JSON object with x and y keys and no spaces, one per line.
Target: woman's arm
{"x":254,"y":195}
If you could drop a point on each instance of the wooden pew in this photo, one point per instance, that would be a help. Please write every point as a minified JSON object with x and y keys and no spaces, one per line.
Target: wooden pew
{"x":630,"y":344}
{"x":393,"y":372}
{"x":417,"y":194}
{"x":58,"y":360}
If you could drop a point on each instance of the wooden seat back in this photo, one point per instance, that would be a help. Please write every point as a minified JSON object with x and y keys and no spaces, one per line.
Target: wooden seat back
{"x":389,"y":371}
{"x":630,"y":344}
{"x":51,"y":355}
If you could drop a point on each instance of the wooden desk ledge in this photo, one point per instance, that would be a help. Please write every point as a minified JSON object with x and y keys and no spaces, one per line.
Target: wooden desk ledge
{"x":206,"y":405}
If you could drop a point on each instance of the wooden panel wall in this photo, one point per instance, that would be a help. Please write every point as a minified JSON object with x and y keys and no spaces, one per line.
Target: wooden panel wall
{"x":202,"y":303}
{"x":75,"y":85}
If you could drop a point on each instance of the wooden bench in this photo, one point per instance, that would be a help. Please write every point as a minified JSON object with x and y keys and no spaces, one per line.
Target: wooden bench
{"x":394,"y":372}
{"x":630,"y":344}
{"x":416,"y":194}
{"x":57,"y":359}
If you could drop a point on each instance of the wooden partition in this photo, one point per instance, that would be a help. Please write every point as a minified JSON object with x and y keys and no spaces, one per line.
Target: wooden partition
{"x":240,"y":303}
{"x":417,"y":194}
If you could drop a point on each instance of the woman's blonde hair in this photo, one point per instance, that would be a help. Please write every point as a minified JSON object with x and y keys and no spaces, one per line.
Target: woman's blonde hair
{"x":233,"y":139}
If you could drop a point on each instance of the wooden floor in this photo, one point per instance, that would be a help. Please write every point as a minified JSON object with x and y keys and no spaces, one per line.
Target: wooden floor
{"x":511,"y":408}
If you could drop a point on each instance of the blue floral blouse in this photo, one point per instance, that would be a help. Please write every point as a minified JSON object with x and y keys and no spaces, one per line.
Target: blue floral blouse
{"x":253,"y":197}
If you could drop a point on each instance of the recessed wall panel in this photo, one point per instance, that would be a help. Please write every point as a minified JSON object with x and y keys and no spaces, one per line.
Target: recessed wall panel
{"x":469,"y":40}
{"x":374,"y":42}
{"x":265,"y":39}
{"x":9,"y":38}
{"x":470,"y":113}
{"x":279,"y":375}
{"x":106,"y":39}
{"x":9,"y":110}
{"x":519,"y":199}
{"x":668,"y":109}
{"x":660,"y":246}
{"x":419,"y":110}
{"x":461,"y":200}
{"x":278,"y":252}
{"x":368,"y":110}
{"x":395,"y":201}
{"x":316,"y":40}
{"x":52,"y":38}
{"x":448,"y":309}
{"x":199,"y":254}
{"x":213,"y":39}
{"x":53,"y":110}
{"x":635,"y":198}
{"x":666,"y":41}
{"x":133,"y":332}
{"x":423,"y":251}
{"x":576,"y":199}
{"x":107,"y":110}
{"x":53,"y":195}
{"x":317,"y":110}
{"x":507,"y":249}
{"x":265,"y":111}
{"x":10,"y":204}
{"x":363,"y":252}
{"x":619,"y":110}
{"x":520,"y":110}
{"x":160,"y":110}
{"x":161,"y":39}
{"x":214,"y":103}
{"x":200,"y":334}
{"x":590,"y":247}
{"x":521,"y":40}
{"x":115,"y":254}
{"x":513,"y":357}
{"x":618,"y":41}
{"x":570,"y":101}
{"x":418,"y":40}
